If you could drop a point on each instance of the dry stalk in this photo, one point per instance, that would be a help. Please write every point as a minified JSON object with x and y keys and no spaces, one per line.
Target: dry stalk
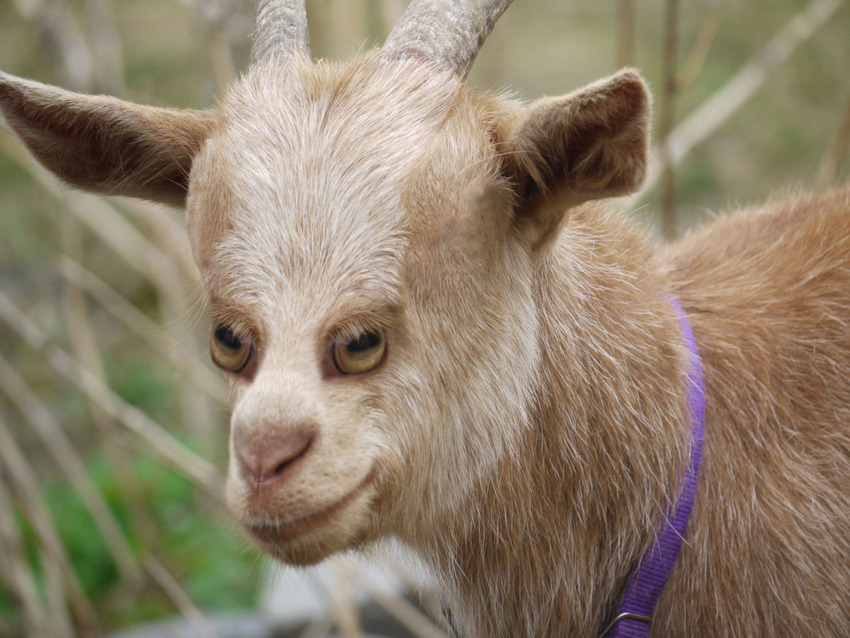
{"x":321,"y":39}
{"x":200,"y":471}
{"x":52,"y":581}
{"x":216,"y":15}
{"x":106,"y":45}
{"x":65,"y":41}
{"x":166,"y":233}
{"x":41,"y":421}
{"x":830,"y":167}
{"x":717,"y":109}
{"x":626,"y":31}
{"x":402,"y":610}
{"x":16,"y":574}
{"x":146,"y":329}
{"x":669,"y":92}
{"x":142,"y":255}
{"x":170,"y":236}
{"x":221,"y":55}
{"x":695,"y":62}
{"x":430,"y":599}
{"x":22,"y":483}
{"x":319,"y":628}
{"x":179,"y":597}
{"x":83,"y":341}
{"x":29,"y":9}
{"x":337,"y":27}
{"x":171,"y":239}
{"x":346,"y":613}
{"x":82,"y":335}
{"x":84,"y":347}
{"x":102,"y":218}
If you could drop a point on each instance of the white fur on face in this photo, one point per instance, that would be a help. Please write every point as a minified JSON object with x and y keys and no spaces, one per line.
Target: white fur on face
{"x":369,"y":203}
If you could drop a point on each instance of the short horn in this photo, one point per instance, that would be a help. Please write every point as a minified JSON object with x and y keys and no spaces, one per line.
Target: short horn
{"x":281,"y":30}
{"x":447,"y":32}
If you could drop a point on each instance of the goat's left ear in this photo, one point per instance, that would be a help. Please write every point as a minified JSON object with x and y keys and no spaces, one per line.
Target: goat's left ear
{"x":103,"y":144}
{"x":590,"y":144}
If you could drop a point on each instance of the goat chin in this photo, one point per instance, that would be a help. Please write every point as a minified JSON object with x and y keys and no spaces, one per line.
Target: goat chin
{"x":312,"y":538}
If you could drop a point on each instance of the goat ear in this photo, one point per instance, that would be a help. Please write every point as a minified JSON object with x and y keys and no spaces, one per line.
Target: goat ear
{"x":587,"y":145}
{"x":103,"y":144}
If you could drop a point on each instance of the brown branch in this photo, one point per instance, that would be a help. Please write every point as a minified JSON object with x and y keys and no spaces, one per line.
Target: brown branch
{"x":317,"y":628}
{"x":106,"y":44}
{"x":68,"y":460}
{"x":200,"y":471}
{"x":626,"y":31}
{"x":105,"y":222}
{"x":171,"y":237}
{"x":830,"y":167}
{"x":717,"y":109}
{"x":670,"y":90}
{"x":57,"y":443}
{"x":22,"y":483}
{"x":81,"y":336}
{"x":215,"y":16}
{"x":345,"y":609}
{"x":64,"y":40}
{"x":146,"y":329}
{"x":695,"y":62}
{"x":410,"y":576}
{"x":179,"y":597}
{"x":402,"y":610}
{"x":15,"y":572}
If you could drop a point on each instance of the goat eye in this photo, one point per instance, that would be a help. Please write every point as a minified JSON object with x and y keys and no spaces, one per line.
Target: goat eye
{"x":358,"y":354}
{"x":229,"y":350}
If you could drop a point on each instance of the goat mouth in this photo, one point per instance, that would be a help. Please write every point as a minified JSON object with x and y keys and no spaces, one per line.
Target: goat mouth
{"x":277,"y":532}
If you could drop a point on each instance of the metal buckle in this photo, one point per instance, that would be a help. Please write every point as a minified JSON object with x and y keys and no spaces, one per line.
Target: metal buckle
{"x":624,"y":616}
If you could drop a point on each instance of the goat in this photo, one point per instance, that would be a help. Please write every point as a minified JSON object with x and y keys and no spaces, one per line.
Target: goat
{"x":434,"y":331}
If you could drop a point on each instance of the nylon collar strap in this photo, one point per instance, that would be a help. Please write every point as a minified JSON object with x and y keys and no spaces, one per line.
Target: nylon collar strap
{"x":634,"y":616}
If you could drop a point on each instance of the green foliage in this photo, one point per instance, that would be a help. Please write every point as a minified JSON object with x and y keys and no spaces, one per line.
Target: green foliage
{"x":85,"y":547}
{"x":209,"y":561}
{"x":142,"y":382}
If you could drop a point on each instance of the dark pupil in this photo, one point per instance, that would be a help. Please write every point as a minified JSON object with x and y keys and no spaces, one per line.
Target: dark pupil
{"x":364,"y":342}
{"x":228,"y":338}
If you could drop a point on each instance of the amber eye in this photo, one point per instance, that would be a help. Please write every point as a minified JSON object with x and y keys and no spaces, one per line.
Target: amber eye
{"x":229,"y":350}
{"x":358,"y":354}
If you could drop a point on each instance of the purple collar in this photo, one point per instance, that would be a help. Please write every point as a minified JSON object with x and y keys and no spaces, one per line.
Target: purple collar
{"x":634,"y":615}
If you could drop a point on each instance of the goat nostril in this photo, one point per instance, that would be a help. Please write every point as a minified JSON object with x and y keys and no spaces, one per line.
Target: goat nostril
{"x":286,"y":462}
{"x":260,"y":459}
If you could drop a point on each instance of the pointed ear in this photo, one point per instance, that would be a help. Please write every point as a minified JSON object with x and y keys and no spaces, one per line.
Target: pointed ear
{"x":587,"y":145}
{"x":103,"y":144}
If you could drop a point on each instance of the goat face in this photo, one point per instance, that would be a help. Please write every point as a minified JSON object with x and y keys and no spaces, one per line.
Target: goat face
{"x":370,"y":299}
{"x":369,"y":233}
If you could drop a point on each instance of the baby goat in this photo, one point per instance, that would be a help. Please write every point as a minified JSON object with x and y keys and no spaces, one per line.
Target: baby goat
{"x":434,"y":334}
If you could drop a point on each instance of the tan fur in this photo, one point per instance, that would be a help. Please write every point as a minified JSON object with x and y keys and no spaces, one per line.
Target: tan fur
{"x":528,"y":428}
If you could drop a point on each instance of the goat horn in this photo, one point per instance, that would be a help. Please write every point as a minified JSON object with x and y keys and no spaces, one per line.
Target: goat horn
{"x":281,"y":30}
{"x":447,"y":32}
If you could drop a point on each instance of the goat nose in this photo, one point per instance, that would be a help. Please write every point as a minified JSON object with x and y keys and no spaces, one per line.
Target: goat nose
{"x":264,"y":458}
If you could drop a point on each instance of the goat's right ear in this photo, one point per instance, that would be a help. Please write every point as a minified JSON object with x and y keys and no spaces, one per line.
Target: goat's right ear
{"x":590,"y":144}
{"x":103,"y":144}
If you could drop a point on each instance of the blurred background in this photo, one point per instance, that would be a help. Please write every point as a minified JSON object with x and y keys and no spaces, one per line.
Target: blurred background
{"x":113,"y":425}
